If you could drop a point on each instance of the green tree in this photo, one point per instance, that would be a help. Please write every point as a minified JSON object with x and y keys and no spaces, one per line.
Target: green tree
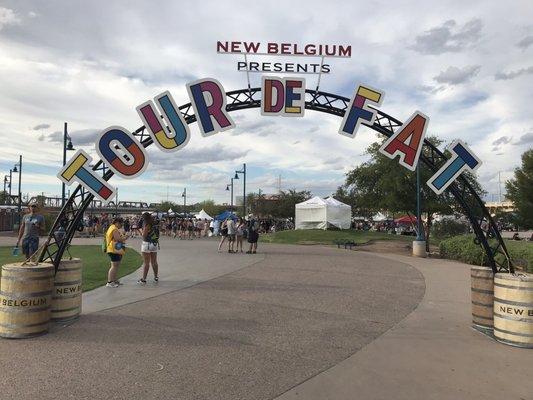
{"x":166,"y":205}
{"x":381,"y":184}
{"x":277,"y":206}
{"x":210,"y":207}
{"x":287,"y":201}
{"x":520,"y":191}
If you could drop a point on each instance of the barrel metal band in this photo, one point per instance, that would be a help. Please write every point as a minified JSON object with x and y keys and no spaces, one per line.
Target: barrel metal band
{"x":488,"y":278}
{"x":25,"y":279}
{"x":516,"y":319}
{"x":482,"y":317}
{"x":25,"y":295}
{"x":477,"y":303}
{"x":26,"y":310}
{"x":67,"y":296}
{"x":482,"y":291}
{"x":514,"y":333}
{"x":65,"y":310}
{"x":514,"y":303}
{"x":479,"y":324}
{"x":16,"y":326}
{"x":71,"y":283}
{"x":23,"y":335}
{"x":514,"y":287}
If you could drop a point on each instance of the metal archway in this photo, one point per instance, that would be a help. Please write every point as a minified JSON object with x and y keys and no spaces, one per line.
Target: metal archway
{"x":485,"y":229}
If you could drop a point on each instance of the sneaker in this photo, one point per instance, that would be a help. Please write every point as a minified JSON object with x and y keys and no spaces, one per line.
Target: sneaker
{"x":118,"y":282}
{"x":141,"y":282}
{"x":156,"y":279}
{"x":112,"y":284}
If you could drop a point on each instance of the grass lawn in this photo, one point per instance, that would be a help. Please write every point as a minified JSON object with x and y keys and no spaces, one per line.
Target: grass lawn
{"x":317,"y":236}
{"x":95,"y":263}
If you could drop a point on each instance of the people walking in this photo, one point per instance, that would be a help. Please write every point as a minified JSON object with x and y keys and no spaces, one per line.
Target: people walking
{"x":149,"y":247}
{"x":115,"y":249}
{"x":253,"y":234}
{"x":32,"y":225}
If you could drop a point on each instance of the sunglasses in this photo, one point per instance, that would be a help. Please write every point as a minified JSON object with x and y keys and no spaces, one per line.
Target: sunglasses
{"x":33,"y":206}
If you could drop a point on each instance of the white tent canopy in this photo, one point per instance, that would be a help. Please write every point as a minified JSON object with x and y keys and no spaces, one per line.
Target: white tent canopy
{"x":318,"y":213}
{"x":203,"y":215}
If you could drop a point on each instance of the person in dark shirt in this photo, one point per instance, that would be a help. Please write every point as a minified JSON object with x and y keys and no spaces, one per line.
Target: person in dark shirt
{"x":32,"y":225}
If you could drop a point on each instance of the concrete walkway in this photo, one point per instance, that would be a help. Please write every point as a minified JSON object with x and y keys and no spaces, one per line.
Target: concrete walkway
{"x":293,"y":322}
{"x":431,"y":354}
{"x":183,"y":264}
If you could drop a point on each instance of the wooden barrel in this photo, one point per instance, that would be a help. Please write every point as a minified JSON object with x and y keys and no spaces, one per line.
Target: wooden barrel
{"x":513,"y":309}
{"x":66,"y":300}
{"x":482,"y":297}
{"x":25,"y":300}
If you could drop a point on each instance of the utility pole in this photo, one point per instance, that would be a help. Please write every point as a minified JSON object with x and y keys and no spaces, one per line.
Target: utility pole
{"x":67,"y":146}
{"x":243,"y":171}
{"x":499,"y":187}
{"x":184,"y":195}
{"x":116,"y":203}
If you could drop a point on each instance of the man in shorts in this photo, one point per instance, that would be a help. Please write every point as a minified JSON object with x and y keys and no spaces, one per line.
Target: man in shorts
{"x":31,"y":226}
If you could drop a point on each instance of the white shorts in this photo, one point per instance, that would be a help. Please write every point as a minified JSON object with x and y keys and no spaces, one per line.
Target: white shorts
{"x":147,"y":247}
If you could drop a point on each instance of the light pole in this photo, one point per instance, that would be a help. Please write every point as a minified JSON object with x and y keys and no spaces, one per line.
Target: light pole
{"x":419,"y":245}
{"x":228,"y":188}
{"x":242,"y":171}
{"x":67,"y":146}
{"x":19,"y":171}
{"x":10,"y":184}
{"x":184,"y":195}
{"x":116,"y":204}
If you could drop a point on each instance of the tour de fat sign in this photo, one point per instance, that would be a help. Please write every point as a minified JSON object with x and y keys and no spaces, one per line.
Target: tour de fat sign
{"x":122,"y":152}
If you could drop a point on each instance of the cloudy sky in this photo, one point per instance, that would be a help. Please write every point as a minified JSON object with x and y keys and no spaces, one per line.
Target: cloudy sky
{"x":468,"y":65}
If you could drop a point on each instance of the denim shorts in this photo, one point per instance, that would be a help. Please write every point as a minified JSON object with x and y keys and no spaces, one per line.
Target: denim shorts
{"x":30,"y":245}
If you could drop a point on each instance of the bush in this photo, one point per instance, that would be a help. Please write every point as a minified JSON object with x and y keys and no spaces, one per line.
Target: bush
{"x":448,"y":228}
{"x":463,"y":248}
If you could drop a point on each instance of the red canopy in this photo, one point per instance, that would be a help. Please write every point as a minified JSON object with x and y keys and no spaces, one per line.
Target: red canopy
{"x":406,"y":219}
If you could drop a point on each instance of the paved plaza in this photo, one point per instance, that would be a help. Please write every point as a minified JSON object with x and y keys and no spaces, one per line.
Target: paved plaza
{"x":299,"y":322}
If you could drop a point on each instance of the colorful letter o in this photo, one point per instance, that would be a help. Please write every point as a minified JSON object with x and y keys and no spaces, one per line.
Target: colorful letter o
{"x":129,"y":160}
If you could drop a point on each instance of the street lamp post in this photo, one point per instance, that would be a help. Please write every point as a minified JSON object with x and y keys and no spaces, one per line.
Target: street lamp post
{"x":242,"y":171}
{"x":67,"y":145}
{"x":10,"y":184}
{"x":419,"y":245}
{"x":19,"y":170}
{"x":228,"y":188}
{"x":184,"y":195}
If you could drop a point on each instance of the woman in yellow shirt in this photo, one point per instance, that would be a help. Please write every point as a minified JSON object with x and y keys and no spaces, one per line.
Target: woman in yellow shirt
{"x":115,"y":249}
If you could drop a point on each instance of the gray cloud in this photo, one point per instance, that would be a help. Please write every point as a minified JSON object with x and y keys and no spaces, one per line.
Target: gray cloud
{"x":449,"y":37}
{"x":525,"y":139}
{"x":430,"y":89}
{"x":513,"y":74}
{"x":192,"y":156}
{"x":525,"y":42}
{"x":456,"y":76}
{"x":41,"y":126}
{"x":82,"y":137}
{"x":8,"y":17}
{"x":262,"y":127}
{"x":501,"y":140}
